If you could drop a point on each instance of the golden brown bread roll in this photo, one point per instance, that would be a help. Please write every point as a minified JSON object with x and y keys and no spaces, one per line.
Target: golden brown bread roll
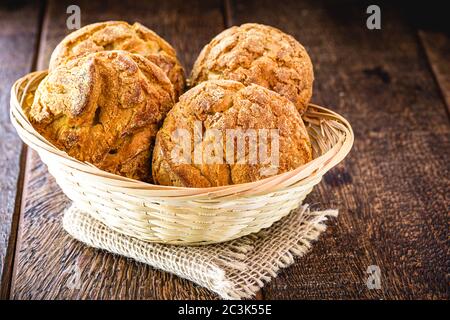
{"x":119,"y":35}
{"x":104,"y":108}
{"x":255,"y":53}
{"x":220,"y":106}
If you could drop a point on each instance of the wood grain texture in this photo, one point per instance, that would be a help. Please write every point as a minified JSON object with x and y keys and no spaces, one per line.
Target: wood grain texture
{"x":19,"y":26}
{"x":393,"y":190}
{"x":47,"y":258}
{"x":52,"y":265}
{"x":437,"y":48}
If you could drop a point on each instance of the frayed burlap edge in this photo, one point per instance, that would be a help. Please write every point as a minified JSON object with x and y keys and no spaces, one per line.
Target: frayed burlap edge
{"x":234,"y":270}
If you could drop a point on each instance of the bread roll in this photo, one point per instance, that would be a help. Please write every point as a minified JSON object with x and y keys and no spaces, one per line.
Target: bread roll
{"x":119,"y":35}
{"x":104,"y":108}
{"x":211,"y":111}
{"x":255,"y":53}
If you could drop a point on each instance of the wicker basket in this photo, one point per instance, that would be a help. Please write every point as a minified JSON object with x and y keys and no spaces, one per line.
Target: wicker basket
{"x":185,"y":215}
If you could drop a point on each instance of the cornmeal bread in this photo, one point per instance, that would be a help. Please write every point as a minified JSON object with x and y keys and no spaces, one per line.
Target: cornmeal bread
{"x":255,"y":53}
{"x":218,"y":106}
{"x":119,"y":35}
{"x":104,"y":108}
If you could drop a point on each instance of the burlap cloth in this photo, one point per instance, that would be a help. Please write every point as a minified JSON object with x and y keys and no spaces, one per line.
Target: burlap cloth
{"x":234,"y":270}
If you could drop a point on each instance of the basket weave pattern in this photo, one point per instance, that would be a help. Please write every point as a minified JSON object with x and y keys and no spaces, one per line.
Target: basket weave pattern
{"x":179,"y":215}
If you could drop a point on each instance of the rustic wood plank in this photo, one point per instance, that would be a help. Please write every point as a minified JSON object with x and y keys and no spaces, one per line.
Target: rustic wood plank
{"x":393,"y":189}
{"x":437,"y":48}
{"x":19,"y":29}
{"x":47,"y":258}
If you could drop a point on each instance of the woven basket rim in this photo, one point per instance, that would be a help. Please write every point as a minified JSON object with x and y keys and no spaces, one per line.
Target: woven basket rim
{"x":317,"y":166}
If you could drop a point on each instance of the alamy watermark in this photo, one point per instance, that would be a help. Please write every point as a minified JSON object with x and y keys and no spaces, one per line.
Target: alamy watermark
{"x":374,"y":279}
{"x":234,"y":146}
{"x":73,"y":21}
{"x":373,"y":22}
{"x":74,"y":280}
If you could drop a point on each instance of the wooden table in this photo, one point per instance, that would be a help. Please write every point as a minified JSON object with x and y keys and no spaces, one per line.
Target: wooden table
{"x":392,"y":191}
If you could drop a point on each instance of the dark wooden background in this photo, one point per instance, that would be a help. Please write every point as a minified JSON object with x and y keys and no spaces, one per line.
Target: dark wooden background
{"x":393,"y":190}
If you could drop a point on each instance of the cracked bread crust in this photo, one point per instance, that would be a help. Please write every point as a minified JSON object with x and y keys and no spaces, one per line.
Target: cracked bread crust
{"x":119,"y":35}
{"x":104,"y":108}
{"x":223,"y":105}
{"x":260,"y":54}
